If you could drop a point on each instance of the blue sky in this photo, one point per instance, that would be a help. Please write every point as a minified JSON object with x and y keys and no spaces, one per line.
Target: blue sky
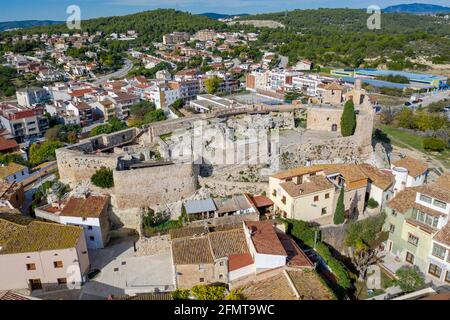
{"x":56,"y":9}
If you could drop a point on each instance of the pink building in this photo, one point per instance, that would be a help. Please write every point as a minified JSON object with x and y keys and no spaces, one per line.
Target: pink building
{"x":40,"y":255}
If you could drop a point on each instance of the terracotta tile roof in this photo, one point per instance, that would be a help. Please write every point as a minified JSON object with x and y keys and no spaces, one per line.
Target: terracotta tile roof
{"x":427,"y":210}
{"x":20,"y":234}
{"x":80,"y":92}
{"x":91,"y":207}
{"x":225,"y":243}
{"x":436,"y":191}
{"x":10,"y":295}
{"x":414,"y":166}
{"x":404,"y":200}
{"x":379,"y":178}
{"x":238,"y":261}
{"x":350,"y":172}
{"x":440,"y":296}
{"x":10,"y":169}
{"x":187,"y":232}
{"x":273,"y":288}
{"x":309,"y":285}
{"x":443,"y":235}
{"x":334,"y":86}
{"x":296,"y":256}
{"x":443,"y":182}
{"x":264,"y":238}
{"x":262,"y":201}
{"x":6,"y":144}
{"x":191,"y":251}
{"x":315,"y":184}
{"x":144,"y":296}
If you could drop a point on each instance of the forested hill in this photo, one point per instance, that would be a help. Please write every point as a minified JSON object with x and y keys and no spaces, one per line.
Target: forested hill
{"x":26,"y":24}
{"x":418,"y":8}
{"x":354,"y":20}
{"x":150,"y":25}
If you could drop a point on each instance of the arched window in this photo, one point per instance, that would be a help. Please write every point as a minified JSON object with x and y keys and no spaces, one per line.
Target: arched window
{"x":334,"y":127}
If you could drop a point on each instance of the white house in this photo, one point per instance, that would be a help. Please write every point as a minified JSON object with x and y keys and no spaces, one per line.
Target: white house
{"x":13,"y":172}
{"x":90,"y":212}
{"x":408,"y":172}
{"x":265,"y":247}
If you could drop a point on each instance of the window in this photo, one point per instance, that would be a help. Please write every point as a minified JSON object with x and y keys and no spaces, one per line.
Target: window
{"x":92,"y":238}
{"x":283,"y":200}
{"x":425,"y":198}
{"x":324,"y":211}
{"x":447,"y":276}
{"x":202,"y":280}
{"x":412,"y":239}
{"x":221,"y":263}
{"x":327,"y":196}
{"x":274,"y":193}
{"x":31,"y":266}
{"x":89,"y":227}
{"x":58,"y":264}
{"x":84,"y":219}
{"x":435,"y":270}
{"x":201,"y":267}
{"x":220,"y":276}
{"x":439,"y":251}
{"x":391,"y":228}
{"x":394,"y":213}
{"x":316,"y":198}
{"x":62,"y":280}
{"x":409,"y":257}
{"x":439,"y":204}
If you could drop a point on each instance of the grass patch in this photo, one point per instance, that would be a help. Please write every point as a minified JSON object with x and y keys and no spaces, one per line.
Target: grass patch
{"x":386,"y":281}
{"x":405,"y":139}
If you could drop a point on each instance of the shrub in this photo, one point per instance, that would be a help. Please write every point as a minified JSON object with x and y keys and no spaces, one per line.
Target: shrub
{"x":205,"y":292}
{"x":181,"y":294}
{"x":410,"y":278}
{"x":348,"y":119}
{"x":433,"y":144}
{"x":342,"y":275}
{"x":339,"y":213}
{"x":300,"y":230}
{"x":235,"y":295}
{"x":103,"y":178}
{"x":372,"y":203}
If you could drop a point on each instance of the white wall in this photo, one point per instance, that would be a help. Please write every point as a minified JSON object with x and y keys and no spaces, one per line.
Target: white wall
{"x":269,"y":261}
{"x":18,"y":176}
{"x":242,"y":272}
{"x":95,"y":230}
{"x":415,"y":182}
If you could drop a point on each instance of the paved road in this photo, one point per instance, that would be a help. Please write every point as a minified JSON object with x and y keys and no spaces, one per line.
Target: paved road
{"x":128,"y":65}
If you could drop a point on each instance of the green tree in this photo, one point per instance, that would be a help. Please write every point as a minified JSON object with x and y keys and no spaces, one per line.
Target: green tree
{"x":339,"y":213}
{"x":181,"y":294}
{"x":44,"y":152}
{"x":235,"y":295}
{"x":103,"y":178}
{"x":348,"y":119}
{"x":410,"y":278}
{"x":213,"y":84}
{"x":405,"y":118}
{"x":209,"y":292}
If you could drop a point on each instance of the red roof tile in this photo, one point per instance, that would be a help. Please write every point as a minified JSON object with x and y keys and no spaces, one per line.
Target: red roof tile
{"x":238,"y":261}
{"x":265,"y":238}
{"x":262,"y":201}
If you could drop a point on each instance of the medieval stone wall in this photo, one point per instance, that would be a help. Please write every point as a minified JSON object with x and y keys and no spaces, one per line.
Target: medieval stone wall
{"x":154,"y":186}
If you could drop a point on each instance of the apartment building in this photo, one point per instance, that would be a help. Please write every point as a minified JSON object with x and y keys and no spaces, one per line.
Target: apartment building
{"x":123,"y":102}
{"x":163,"y":94}
{"x":23,"y":124}
{"x":40,"y":255}
{"x":419,"y":228}
{"x":32,"y":96}
{"x":82,"y":111}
